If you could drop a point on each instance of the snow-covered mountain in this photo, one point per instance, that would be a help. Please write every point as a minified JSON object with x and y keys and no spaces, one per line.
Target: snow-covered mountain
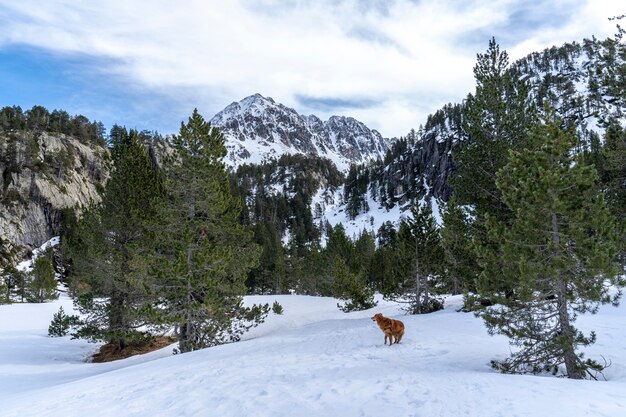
{"x":258,"y":129}
{"x":581,"y":82}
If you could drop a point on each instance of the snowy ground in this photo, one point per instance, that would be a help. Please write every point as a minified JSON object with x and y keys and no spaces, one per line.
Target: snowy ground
{"x":311,"y":361}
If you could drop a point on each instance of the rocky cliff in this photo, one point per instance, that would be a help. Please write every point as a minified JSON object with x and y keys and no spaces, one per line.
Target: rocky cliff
{"x":43,"y":175}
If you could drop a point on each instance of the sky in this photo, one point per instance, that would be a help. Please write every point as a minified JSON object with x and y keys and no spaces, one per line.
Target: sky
{"x":388,"y":63}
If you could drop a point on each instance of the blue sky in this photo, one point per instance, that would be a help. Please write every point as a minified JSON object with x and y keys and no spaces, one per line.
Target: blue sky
{"x":147,"y":64}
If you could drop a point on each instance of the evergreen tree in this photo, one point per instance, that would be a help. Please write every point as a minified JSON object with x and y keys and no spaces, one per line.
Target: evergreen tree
{"x":559,"y":247}
{"x":614,"y":175}
{"x":5,"y":293}
{"x":38,"y":119}
{"x":340,"y":244}
{"x":203,"y":254}
{"x":269,"y":276}
{"x":110,"y":245}
{"x":15,"y":283}
{"x":365,"y":249}
{"x":7,"y":284}
{"x":349,"y":288}
{"x":382,"y":274}
{"x":496,"y":118}
{"x":420,"y":241}
{"x":460,"y":263}
{"x":42,"y":283}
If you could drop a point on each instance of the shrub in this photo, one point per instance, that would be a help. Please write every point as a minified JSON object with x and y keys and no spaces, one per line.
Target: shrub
{"x":61,"y":323}
{"x":277,"y":308}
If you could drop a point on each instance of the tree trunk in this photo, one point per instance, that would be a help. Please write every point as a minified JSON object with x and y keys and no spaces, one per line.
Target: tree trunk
{"x":186,"y":336}
{"x":426,"y":293}
{"x":565,"y":328}
{"x":116,"y":317}
{"x":418,"y":284}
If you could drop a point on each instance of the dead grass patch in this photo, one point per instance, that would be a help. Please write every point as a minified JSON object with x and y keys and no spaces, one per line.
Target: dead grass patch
{"x":111,"y":352}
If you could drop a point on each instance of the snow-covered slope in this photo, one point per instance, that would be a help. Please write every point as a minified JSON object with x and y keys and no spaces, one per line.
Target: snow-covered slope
{"x":257,"y":129}
{"x":311,"y":361}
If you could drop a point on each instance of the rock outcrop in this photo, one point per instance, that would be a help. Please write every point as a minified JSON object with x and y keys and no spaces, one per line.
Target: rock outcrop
{"x":43,"y":175}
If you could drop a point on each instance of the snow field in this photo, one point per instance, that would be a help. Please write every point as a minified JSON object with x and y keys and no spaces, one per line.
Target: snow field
{"x":313,"y":360}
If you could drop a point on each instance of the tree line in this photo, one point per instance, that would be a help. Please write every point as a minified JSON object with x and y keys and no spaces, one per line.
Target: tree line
{"x":37,"y":285}
{"x":39,"y":119}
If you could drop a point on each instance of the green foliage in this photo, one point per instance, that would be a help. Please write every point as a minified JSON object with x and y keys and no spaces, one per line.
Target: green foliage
{"x":277,"y":308}
{"x":496,"y":118}
{"x":60,"y":163}
{"x":15,"y":284}
{"x":62,"y":323}
{"x":355,"y":191}
{"x":559,"y":247}
{"x":349,"y":288}
{"x":276,"y":197}
{"x":389,"y":263}
{"x":614,"y":175}
{"x":365,"y":251}
{"x":308,"y":272}
{"x":203,"y":254}
{"x":38,"y":119}
{"x":109,"y":246}
{"x":270,"y":275}
{"x":5,"y":294}
{"x":460,"y":266}
{"x":421,"y":259}
{"x":13,"y":197}
{"x":339,"y":244}
{"x":42,"y":282}
{"x":300,"y":177}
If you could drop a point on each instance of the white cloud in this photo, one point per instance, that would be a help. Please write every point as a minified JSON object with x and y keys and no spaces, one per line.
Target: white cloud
{"x":406,"y":57}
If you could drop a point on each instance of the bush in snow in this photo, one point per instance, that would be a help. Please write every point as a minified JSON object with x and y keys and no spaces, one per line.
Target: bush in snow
{"x":61,"y":323}
{"x":277,"y":308}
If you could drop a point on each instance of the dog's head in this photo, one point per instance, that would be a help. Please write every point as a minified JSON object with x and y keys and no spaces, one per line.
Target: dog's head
{"x":377,"y":317}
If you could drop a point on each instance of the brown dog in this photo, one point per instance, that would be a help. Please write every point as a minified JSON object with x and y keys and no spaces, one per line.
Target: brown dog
{"x":390,"y":327}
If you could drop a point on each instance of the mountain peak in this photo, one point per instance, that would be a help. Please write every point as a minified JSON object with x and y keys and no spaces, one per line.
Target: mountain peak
{"x":257,"y":128}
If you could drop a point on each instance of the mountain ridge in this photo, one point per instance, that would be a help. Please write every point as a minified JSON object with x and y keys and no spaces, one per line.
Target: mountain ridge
{"x":257,"y":129}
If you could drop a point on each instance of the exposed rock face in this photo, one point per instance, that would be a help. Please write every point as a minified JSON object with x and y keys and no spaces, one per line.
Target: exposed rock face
{"x":43,"y":174}
{"x":258,"y":129}
{"x":580,"y":81}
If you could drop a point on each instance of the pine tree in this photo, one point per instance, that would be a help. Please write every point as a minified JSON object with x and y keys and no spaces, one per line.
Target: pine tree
{"x":348,"y":287}
{"x":42,"y":284}
{"x":110,"y":245}
{"x":15,"y":283}
{"x":559,"y":247}
{"x":204,"y":254}
{"x":420,"y":242}
{"x":5,"y":293}
{"x":365,"y":249}
{"x":269,"y":276}
{"x":614,"y":175}
{"x":498,"y":117}
{"x":341,"y":245}
{"x":461,"y":267}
